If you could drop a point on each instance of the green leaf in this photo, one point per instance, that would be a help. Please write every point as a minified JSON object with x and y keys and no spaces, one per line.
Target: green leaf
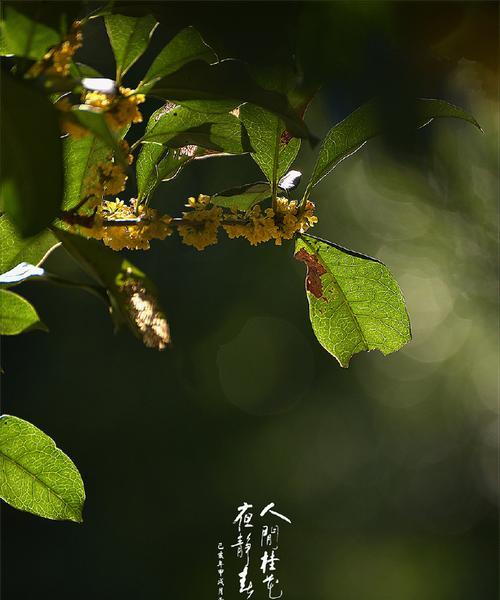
{"x":35,"y":476}
{"x":24,"y":35}
{"x":129,"y":37}
{"x":80,"y":155}
{"x":355,"y":303}
{"x":17,"y":315}
{"x":273,"y":152}
{"x":244,"y":197}
{"x":220,"y":88}
{"x":177,"y":126}
{"x":31,"y":184}
{"x":132,"y":295}
{"x":350,"y":135}
{"x":155,"y":164}
{"x":185,"y":47}
{"x":96,"y":123}
{"x":15,"y":249}
{"x":79,"y":70}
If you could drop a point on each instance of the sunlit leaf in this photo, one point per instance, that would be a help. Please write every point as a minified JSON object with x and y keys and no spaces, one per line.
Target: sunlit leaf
{"x":96,"y":123}
{"x":220,"y":88}
{"x":180,"y":126}
{"x":350,"y":135}
{"x":155,"y":164}
{"x":17,"y":315}
{"x":185,"y":47}
{"x":244,"y":197}
{"x":15,"y":249}
{"x":355,"y":303}
{"x":31,"y":158}
{"x":131,"y":293}
{"x":35,"y":475}
{"x":129,"y":37}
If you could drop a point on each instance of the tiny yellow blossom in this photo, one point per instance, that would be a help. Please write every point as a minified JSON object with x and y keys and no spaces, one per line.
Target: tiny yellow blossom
{"x":199,"y":228}
{"x":120,"y":109}
{"x":57,"y":60}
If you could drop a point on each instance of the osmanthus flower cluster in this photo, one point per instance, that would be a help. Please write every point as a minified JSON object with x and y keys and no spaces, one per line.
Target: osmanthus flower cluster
{"x":66,"y":181}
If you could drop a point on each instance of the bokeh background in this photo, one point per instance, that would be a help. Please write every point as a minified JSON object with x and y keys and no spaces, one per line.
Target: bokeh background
{"x":388,"y":469}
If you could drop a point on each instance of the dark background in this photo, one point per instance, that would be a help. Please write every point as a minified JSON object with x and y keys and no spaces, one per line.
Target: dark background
{"x":388,"y":470}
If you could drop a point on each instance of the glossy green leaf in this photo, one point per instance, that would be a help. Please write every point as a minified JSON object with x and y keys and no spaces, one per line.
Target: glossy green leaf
{"x":35,"y":475}
{"x":244,"y":197}
{"x":179,"y":126}
{"x":17,"y":315}
{"x":131,"y":293}
{"x":23,"y":34}
{"x":186,"y":46}
{"x":15,"y":249}
{"x":355,"y":303}
{"x":31,"y":165}
{"x":273,"y":151}
{"x":155,"y":164}
{"x":129,"y":37}
{"x":80,"y":155}
{"x":350,"y":135}
{"x":221,"y":87}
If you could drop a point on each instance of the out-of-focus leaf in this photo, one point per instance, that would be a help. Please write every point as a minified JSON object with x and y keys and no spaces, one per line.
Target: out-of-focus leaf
{"x":96,"y":123}
{"x":20,"y":273}
{"x":35,"y":475}
{"x":15,"y":249}
{"x":129,"y":37}
{"x":355,"y":303}
{"x":354,"y":131}
{"x":31,"y":158}
{"x":78,"y":71}
{"x":180,"y":126}
{"x":131,"y":293}
{"x":17,"y":315}
{"x":244,"y":197}
{"x":185,"y":47}
{"x":23,"y":34}
{"x":221,"y":87}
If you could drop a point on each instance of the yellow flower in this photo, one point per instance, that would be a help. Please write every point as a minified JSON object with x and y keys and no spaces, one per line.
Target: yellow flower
{"x":57,"y":60}
{"x":199,"y":228}
{"x":121,"y":109}
{"x":144,"y":224}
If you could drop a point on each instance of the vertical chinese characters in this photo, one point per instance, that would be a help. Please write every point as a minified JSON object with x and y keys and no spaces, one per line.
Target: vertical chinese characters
{"x":243,"y":546}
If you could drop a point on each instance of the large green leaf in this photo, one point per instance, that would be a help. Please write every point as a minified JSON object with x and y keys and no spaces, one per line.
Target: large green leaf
{"x":129,"y":37}
{"x":35,"y":476}
{"x":221,"y":87}
{"x":273,"y":152}
{"x":80,"y":155}
{"x":244,"y":197}
{"x":350,"y":135}
{"x":15,"y":249}
{"x":131,"y":293}
{"x":355,"y":303}
{"x":23,"y":34}
{"x":31,"y":159}
{"x":17,"y":315}
{"x":185,"y":47}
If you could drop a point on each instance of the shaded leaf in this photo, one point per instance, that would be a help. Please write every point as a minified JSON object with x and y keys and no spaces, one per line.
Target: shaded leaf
{"x":129,"y":37}
{"x":96,"y":123}
{"x":355,"y":303}
{"x":23,"y":34}
{"x":35,"y":475}
{"x":354,"y":131}
{"x":185,"y":47}
{"x":220,"y":88}
{"x":155,"y":164}
{"x":17,"y":315}
{"x":132,"y":295}
{"x":31,"y":165}
{"x":15,"y":249}
{"x":244,"y":197}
